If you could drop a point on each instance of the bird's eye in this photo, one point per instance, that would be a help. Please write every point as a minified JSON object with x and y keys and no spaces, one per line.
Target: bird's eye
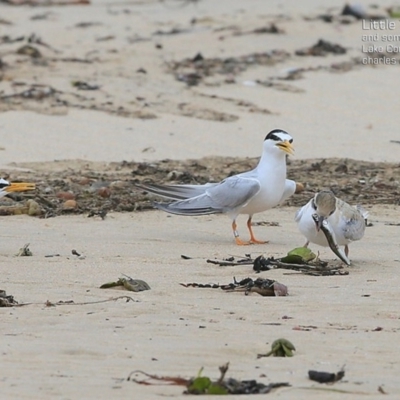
{"x":313,"y":205}
{"x":3,"y":185}
{"x":291,"y":141}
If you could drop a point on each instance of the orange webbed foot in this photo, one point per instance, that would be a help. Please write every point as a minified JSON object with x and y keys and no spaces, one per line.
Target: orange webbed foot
{"x":252,"y":237}
{"x":255,"y":241}
{"x":240,"y":242}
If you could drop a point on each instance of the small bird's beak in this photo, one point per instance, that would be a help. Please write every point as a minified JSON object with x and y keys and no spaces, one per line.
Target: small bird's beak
{"x":319,"y":220}
{"x":286,"y":146}
{"x":19,"y":187}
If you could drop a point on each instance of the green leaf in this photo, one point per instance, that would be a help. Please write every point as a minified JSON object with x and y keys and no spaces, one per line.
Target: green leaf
{"x":217,"y":389}
{"x":200,"y":385}
{"x":288,"y":352}
{"x":305,"y":253}
{"x":292,"y":259}
{"x":287,"y":343}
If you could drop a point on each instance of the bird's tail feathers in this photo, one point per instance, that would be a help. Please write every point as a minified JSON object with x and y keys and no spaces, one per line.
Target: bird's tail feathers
{"x":173,"y":208}
{"x":363,"y":212}
{"x":173,"y":192}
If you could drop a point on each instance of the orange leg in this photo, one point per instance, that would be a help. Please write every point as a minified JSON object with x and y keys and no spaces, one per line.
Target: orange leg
{"x":239,"y":241}
{"x":252,"y":238}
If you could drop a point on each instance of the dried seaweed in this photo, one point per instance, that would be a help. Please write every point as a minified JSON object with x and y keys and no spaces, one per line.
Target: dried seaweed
{"x":356,"y":182}
{"x":264,"y":287}
{"x":300,"y":259}
{"x":203,"y":385}
{"x":24,"y":251}
{"x":133,"y":285}
{"x":280,"y":348}
{"x":193,"y":70}
{"x":315,"y":267}
{"x":322,"y":48}
{"x":7,"y":300}
{"x":326,"y":377}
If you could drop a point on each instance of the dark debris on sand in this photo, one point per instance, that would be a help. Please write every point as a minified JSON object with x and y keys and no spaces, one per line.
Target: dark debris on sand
{"x":100,"y":188}
{"x":193,"y":70}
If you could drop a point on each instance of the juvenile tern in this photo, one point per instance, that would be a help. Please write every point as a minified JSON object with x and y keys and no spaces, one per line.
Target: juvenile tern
{"x":8,"y":187}
{"x":346,"y":222}
{"x":249,"y":193}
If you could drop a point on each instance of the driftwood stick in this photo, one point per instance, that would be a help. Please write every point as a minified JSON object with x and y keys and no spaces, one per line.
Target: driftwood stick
{"x":307,"y":267}
{"x":225,"y":263}
{"x":71,"y":303}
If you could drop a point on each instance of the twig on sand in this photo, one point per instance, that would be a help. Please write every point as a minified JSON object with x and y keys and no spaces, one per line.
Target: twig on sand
{"x":45,"y":2}
{"x":72,"y":303}
{"x":225,"y":263}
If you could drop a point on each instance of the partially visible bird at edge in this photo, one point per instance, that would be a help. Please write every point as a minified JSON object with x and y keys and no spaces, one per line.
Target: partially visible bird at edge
{"x":9,"y":187}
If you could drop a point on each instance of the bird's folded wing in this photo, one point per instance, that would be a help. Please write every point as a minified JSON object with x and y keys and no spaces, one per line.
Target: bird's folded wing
{"x":233,"y":192}
{"x":226,"y":196}
{"x":354,"y":230}
{"x":354,"y":221}
{"x":175,"y":192}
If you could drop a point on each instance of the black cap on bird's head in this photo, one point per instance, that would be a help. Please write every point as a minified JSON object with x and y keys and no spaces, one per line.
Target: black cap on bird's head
{"x":3,"y":183}
{"x":280,"y":139}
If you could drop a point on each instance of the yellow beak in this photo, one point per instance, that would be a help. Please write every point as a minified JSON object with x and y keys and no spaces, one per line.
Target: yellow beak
{"x":286,"y":146}
{"x":20,"y":187}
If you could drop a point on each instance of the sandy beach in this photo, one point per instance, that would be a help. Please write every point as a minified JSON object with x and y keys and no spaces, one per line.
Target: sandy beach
{"x":95,"y":91}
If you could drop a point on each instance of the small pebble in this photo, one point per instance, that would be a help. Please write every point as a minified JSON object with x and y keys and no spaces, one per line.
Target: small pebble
{"x":70,"y":205}
{"x":104,"y":192}
{"x":65,"y":195}
{"x":33,"y":207}
{"x":85,"y":181}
